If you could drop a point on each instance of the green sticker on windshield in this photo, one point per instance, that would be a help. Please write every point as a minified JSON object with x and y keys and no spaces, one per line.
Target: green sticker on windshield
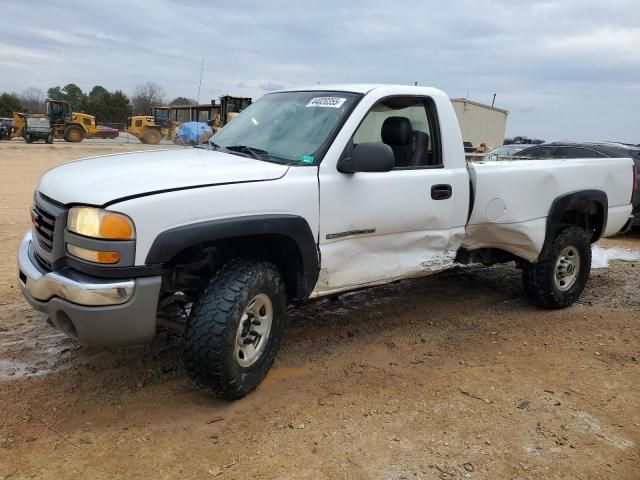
{"x":307,"y":159}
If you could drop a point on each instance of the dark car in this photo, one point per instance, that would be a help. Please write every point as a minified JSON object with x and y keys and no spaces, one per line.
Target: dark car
{"x":590,"y":150}
{"x":37,"y":128}
{"x":507,"y":150}
{"x":6,"y":125}
{"x":106,"y":132}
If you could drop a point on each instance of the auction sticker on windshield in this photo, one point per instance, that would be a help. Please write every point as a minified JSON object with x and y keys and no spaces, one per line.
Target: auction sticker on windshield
{"x":327,"y":102}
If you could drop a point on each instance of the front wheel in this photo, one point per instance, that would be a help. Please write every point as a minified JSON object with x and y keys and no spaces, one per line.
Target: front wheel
{"x":234,"y":329}
{"x":561,"y":273}
{"x":152,"y":136}
{"x":73,"y":133}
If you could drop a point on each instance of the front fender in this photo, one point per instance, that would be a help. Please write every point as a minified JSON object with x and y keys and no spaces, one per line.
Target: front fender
{"x":171,"y":242}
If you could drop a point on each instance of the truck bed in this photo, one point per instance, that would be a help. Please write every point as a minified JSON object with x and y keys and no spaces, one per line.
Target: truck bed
{"x":512,"y":199}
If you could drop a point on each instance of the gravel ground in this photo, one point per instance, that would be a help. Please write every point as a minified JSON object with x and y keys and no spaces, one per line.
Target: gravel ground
{"x":449,"y":377}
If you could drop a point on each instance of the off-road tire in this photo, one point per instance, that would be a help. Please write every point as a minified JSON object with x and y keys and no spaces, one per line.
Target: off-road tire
{"x":210,"y":335}
{"x":152,"y":136}
{"x":538,"y":278}
{"x":73,"y":133}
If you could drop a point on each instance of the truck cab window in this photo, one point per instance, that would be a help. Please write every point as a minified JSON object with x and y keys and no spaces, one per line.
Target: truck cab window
{"x":404,"y":124}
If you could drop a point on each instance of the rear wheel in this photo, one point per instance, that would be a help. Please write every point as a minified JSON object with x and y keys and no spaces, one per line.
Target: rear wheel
{"x":152,"y":137}
{"x":560,"y":275}
{"x":235,"y":328}
{"x":50,"y":139}
{"x":28,"y":138}
{"x":73,"y":133}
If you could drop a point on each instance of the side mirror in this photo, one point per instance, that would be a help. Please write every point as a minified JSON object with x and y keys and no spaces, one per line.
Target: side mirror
{"x":368,"y":157}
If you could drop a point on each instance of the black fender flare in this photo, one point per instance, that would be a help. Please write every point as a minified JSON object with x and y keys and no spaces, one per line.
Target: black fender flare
{"x":171,"y":242}
{"x":568,"y":202}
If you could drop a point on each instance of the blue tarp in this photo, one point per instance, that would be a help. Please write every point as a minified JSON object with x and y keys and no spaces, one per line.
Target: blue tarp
{"x":193,"y":133}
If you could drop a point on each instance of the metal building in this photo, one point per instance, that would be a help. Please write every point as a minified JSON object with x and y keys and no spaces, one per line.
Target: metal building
{"x":480,"y":123}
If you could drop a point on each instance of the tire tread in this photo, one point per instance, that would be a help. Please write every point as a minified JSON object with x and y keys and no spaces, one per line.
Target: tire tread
{"x":211,"y":329}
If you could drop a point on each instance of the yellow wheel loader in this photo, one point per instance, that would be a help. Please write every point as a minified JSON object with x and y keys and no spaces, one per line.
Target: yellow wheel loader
{"x":72,"y":126}
{"x":153,"y":128}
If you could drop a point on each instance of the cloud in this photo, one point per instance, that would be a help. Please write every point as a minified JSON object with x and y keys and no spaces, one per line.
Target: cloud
{"x":270,"y":87}
{"x":15,"y":52}
{"x":563,"y":68}
{"x":623,"y":43}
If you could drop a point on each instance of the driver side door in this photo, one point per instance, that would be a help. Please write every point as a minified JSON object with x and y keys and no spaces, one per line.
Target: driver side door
{"x":380,"y":227}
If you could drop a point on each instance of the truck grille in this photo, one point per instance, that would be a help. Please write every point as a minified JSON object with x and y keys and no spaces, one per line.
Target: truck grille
{"x":44,"y":224}
{"x":49,"y":219}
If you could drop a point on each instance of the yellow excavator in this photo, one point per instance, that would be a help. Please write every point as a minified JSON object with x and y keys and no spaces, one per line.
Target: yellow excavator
{"x":160,"y":126}
{"x":71,"y":126}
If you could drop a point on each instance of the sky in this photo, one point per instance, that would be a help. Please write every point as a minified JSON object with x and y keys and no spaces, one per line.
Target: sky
{"x":564,"y":69}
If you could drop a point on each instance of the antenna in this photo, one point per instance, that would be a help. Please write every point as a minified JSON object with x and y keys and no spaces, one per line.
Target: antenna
{"x":200,"y":84}
{"x":493,"y":102}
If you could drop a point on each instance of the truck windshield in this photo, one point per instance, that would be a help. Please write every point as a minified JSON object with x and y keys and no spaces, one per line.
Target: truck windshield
{"x":289,"y":127}
{"x":38,"y":122}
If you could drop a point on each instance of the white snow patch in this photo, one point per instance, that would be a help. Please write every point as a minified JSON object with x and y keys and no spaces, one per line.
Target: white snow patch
{"x":600,"y":257}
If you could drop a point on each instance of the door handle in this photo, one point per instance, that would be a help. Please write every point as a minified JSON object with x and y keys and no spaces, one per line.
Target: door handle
{"x":441,"y":192}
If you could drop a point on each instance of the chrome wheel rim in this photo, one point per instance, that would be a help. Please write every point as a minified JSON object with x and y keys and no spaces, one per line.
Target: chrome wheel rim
{"x":253,"y":330}
{"x":567,"y":268}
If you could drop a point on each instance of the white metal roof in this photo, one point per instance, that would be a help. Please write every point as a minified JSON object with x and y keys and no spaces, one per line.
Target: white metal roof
{"x":344,"y":87}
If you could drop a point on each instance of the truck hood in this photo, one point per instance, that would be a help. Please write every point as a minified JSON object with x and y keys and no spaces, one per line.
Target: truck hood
{"x":110,"y":178}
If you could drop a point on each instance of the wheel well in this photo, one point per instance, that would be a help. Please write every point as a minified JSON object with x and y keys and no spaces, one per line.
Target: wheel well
{"x":586,"y":209}
{"x":192,"y":267}
{"x":588,"y":215}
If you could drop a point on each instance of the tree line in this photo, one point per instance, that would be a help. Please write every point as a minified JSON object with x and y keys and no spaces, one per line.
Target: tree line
{"x":106,"y":106}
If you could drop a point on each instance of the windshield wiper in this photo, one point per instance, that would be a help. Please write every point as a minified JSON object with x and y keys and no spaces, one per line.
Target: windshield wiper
{"x":256,"y":153}
{"x":213,"y":144}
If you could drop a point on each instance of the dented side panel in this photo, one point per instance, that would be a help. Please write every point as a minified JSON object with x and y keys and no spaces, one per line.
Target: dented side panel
{"x":378,"y":259}
{"x":513,"y":199}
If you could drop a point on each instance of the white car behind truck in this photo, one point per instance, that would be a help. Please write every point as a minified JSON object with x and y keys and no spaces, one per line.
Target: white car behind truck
{"x":308,"y":193}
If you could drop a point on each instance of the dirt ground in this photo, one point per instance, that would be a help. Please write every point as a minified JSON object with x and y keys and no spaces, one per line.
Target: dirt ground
{"x":449,"y":377}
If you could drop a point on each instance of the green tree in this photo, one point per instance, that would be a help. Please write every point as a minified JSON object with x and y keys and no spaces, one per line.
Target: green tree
{"x":97,"y":91}
{"x":71,"y":93}
{"x":182,"y":101}
{"x":107,"y":107}
{"x":9,"y":103}
{"x":120,"y":107}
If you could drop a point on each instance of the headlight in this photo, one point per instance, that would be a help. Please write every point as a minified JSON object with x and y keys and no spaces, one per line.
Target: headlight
{"x":98,"y":223}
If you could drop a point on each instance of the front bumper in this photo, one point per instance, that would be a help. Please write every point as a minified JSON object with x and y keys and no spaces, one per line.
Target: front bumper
{"x":96,"y":311}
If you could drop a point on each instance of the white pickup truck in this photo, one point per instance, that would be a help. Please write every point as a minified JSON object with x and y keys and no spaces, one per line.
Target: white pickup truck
{"x":307,"y":193}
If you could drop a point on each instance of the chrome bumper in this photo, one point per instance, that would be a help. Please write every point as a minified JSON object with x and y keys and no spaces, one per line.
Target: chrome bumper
{"x":95,"y":311}
{"x":75,"y":287}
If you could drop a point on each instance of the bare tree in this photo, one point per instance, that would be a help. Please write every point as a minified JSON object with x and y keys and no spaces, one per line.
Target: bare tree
{"x":33,"y":100}
{"x":145,"y":96}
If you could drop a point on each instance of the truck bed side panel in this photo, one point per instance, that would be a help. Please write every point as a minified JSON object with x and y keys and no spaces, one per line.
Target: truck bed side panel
{"x":513,"y":199}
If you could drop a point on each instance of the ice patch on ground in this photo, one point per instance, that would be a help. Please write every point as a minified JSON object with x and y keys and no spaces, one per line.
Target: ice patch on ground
{"x":600,"y":257}
{"x":589,"y":423}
